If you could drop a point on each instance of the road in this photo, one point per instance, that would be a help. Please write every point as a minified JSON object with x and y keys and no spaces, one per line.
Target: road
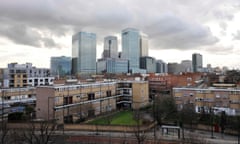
{"x":73,"y":137}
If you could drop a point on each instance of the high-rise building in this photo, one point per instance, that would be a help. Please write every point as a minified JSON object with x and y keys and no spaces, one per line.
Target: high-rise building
{"x":61,"y":66}
{"x":143,"y":45}
{"x":110,"y":47}
{"x":197,"y":62}
{"x":148,"y":63}
{"x":186,"y":66}
{"x":131,"y":47}
{"x":161,"y":67}
{"x":84,"y":53}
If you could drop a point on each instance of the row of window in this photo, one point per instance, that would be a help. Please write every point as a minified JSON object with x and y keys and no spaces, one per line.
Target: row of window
{"x":76,"y":87}
{"x":90,"y":96}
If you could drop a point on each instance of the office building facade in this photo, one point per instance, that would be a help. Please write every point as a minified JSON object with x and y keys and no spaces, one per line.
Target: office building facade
{"x":143,"y":44}
{"x":61,"y":66}
{"x":131,"y":47}
{"x":112,"y":65}
{"x":84,"y":53}
{"x":186,"y":66}
{"x":148,"y":63}
{"x":197,"y":63}
{"x":110,"y":47}
{"x":161,"y":67}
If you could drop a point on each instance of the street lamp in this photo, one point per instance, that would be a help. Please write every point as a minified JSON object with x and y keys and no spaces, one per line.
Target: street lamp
{"x":211,"y":113}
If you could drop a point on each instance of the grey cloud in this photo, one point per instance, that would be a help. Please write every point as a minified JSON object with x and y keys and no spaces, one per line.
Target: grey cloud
{"x":171,"y":32}
{"x":63,"y":18}
{"x":22,"y":34}
{"x":236,"y":36}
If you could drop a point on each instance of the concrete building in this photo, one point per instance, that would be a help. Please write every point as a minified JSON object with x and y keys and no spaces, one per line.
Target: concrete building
{"x":148,"y":63}
{"x":197,"y":63}
{"x":61,"y":66}
{"x":110,"y":47}
{"x":13,"y":100}
{"x":204,"y":99}
{"x":131,"y":47}
{"x":112,"y":65}
{"x":84,"y":53}
{"x":23,"y":75}
{"x":69,"y":103}
{"x":161,"y":67}
{"x":13,"y":96}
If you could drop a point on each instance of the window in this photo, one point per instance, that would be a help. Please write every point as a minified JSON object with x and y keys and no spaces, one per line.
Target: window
{"x":108,"y":93}
{"x":67,"y":100}
{"x":91,"y":96}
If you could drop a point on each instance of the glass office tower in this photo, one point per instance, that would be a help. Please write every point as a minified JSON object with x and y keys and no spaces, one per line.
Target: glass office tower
{"x":110,"y":47}
{"x":197,"y":62}
{"x":61,"y":66}
{"x":131,"y":47}
{"x":143,"y":45}
{"x":84,"y":53}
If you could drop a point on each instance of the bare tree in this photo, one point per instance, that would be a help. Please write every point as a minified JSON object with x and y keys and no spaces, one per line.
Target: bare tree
{"x":139,"y":133}
{"x":40,"y":133}
{"x":187,"y":116}
{"x":4,"y":133}
{"x":164,"y":109}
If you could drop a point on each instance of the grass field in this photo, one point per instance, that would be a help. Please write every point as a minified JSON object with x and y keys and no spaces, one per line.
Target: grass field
{"x":120,"y":118}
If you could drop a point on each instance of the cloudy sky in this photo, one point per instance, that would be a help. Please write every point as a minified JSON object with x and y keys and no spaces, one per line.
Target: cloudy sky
{"x":35,"y":30}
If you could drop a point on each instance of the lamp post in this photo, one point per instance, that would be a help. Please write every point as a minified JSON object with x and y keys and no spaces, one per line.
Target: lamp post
{"x":211,"y":112}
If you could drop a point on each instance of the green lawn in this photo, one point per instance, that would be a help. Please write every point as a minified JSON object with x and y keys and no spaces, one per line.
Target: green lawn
{"x":120,"y":118}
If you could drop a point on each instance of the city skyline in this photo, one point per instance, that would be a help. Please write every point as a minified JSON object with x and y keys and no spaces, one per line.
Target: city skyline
{"x":34,"y":31}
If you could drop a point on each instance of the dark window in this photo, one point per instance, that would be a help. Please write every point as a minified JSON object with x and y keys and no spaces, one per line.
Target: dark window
{"x":67,"y":100}
{"x":91,"y":96}
{"x":108,"y":93}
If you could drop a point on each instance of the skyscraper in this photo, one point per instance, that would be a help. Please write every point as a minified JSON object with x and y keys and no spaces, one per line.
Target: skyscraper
{"x":131,"y":47}
{"x":61,"y":66}
{"x":143,"y":45}
{"x":197,"y":62}
{"x":110,"y":47}
{"x":84,"y":53}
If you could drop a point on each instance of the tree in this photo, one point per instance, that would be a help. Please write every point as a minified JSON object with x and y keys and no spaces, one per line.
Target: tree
{"x":223,"y":121}
{"x":164,"y":109}
{"x":187,"y":116}
{"x":40,"y":133}
{"x":139,"y":133}
{"x":4,"y":132}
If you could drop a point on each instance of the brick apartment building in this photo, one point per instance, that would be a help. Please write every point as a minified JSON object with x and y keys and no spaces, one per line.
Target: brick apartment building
{"x":163,"y":83}
{"x":69,"y":103}
{"x":204,"y":99}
